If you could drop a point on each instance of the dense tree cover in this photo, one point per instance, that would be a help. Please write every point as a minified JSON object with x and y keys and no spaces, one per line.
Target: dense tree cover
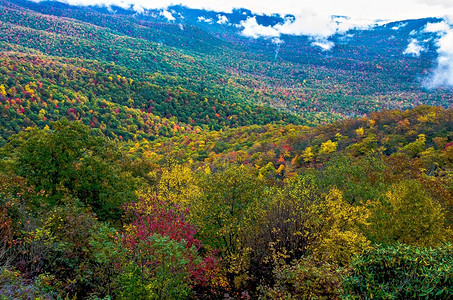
{"x":223,"y":214}
{"x":185,"y":67}
{"x":142,"y":160}
{"x":67,"y":161}
{"x":39,"y":89}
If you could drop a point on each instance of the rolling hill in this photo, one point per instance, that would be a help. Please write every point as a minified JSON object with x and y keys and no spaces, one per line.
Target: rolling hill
{"x":202,"y":72}
{"x":181,"y":153}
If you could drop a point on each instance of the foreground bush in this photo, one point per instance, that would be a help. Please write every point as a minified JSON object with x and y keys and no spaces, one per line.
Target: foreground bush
{"x":14,"y":286}
{"x":305,"y":279}
{"x":402,"y":272}
{"x":161,"y":258}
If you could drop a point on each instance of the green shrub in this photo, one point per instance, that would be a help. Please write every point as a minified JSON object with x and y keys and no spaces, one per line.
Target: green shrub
{"x":159,"y":270}
{"x":402,"y":272}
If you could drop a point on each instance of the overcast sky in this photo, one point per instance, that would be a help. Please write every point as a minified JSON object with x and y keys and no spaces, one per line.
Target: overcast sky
{"x":358,"y":9}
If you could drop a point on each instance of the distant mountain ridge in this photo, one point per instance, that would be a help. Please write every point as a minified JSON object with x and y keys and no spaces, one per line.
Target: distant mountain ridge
{"x":201,"y":70}
{"x":230,"y":29}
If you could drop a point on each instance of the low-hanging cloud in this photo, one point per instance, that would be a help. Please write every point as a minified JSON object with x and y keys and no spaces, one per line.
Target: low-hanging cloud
{"x":167,"y":15}
{"x":222,"y":19}
{"x":138,"y":8}
{"x":437,"y":27}
{"x":319,"y":27}
{"x":206,"y":20}
{"x":443,"y":74}
{"x":399,"y":26}
{"x":278,"y":42}
{"x":325,"y":45}
{"x":255,"y":30}
{"x":308,"y":23}
{"x":414,"y":48}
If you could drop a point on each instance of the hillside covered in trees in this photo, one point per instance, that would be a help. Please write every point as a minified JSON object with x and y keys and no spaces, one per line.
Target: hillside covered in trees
{"x":359,"y":208}
{"x":149,"y":158}
{"x":140,"y":76}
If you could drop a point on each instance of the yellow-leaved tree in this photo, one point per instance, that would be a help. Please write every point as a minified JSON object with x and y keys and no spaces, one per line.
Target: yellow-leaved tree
{"x":227,"y":214}
{"x":341,"y":236}
{"x":408,"y":215}
{"x":308,"y":154}
{"x":328,"y":147}
{"x":177,"y":184}
{"x":2,"y":90}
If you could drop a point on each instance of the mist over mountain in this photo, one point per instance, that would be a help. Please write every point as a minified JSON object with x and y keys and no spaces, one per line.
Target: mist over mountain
{"x":300,"y":39}
{"x":343,"y":45}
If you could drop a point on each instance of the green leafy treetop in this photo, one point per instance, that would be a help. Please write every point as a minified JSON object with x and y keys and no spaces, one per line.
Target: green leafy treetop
{"x":68,"y":161}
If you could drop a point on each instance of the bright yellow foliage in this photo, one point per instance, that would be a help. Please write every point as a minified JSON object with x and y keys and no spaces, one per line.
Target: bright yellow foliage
{"x":178,"y":185}
{"x":280,"y":169}
{"x":341,"y":236}
{"x":2,"y":90}
{"x":308,"y":154}
{"x":328,"y":147}
{"x":28,"y":89}
{"x":359,"y":132}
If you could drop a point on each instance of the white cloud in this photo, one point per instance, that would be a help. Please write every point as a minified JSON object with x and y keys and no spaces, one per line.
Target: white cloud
{"x":255,"y":30}
{"x":277,"y":41}
{"x":167,"y":15}
{"x":319,"y":27}
{"x":343,"y":24}
{"x":325,"y":45}
{"x":399,"y":26}
{"x":207,"y":20}
{"x":437,"y":27}
{"x":111,"y":10}
{"x":313,"y":24}
{"x":414,"y":48}
{"x":308,"y":24}
{"x":138,"y":8}
{"x":222,"y":19}
{"x":443,"y":74}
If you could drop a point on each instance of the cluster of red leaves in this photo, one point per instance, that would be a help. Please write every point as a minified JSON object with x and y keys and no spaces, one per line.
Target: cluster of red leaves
{"x":7,"y":234}
{"x":159,"y":217}
{"x":153,"y":216}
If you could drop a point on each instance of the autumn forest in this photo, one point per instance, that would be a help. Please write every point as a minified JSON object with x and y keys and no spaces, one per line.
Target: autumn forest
{"x":148,"y":159}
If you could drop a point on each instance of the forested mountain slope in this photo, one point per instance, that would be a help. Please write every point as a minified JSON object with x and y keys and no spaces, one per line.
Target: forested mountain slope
{"x":120,"y":102}
{"x":193,"y":60}
{"x":172,"y":154}
{"x":133,"y":75}
{"x":359,"y":208}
